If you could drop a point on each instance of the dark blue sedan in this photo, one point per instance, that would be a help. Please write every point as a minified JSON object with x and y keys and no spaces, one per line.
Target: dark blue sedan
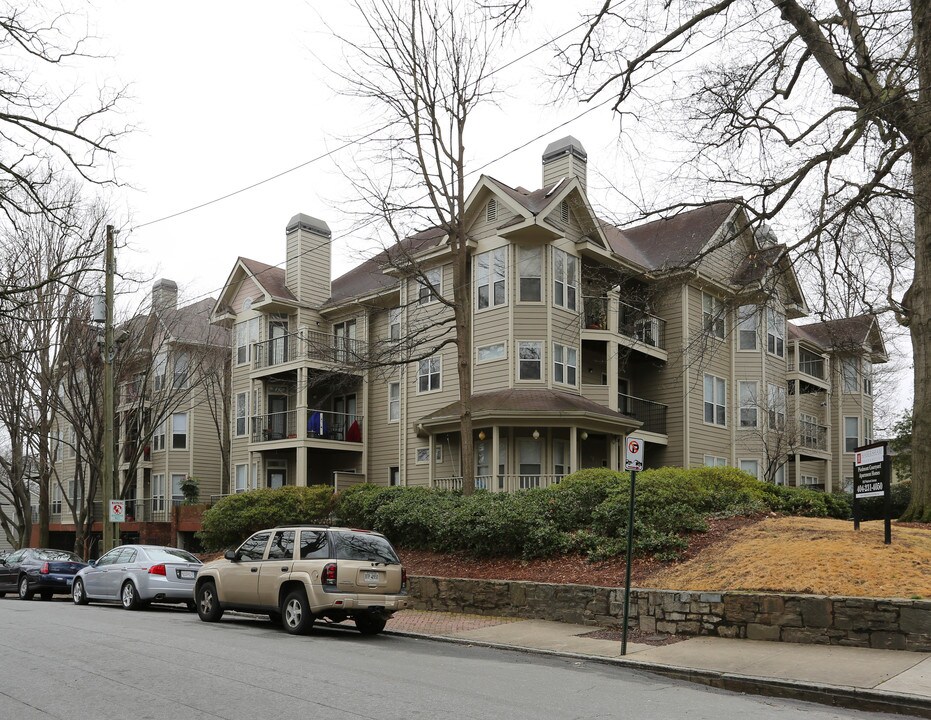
{"x":39,"y":570}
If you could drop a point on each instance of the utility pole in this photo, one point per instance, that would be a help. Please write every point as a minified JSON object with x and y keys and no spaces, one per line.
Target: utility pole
{"x":109,"y":352}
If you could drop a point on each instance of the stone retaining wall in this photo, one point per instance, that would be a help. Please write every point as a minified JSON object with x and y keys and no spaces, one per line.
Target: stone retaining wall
{"x":859,"y":622}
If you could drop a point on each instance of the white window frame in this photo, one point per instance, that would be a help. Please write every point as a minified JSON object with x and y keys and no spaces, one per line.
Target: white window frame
{"x":849,"y":379}
{"x":775,"y":332}
{"x":867,"y":377}
{"x":565,"y":365}
{"x":430,"y":369}
{"x":394,"y":402}
{"x":158,"y":492}
{"x":177,"y":495}
{"x":55,"y":499}
{"x":394,"y":324}
{"x":867,"y":430}
{"x":422,"y":455}
{"x":241,"y":424}
{"x":776,"y":397}
{"x":495,"y":351}
{"x":491,"y":271}
{"x":247,"y":333}
{"x":174,"y":425}
{"x":160,"y":371}
{"x":241,"y":478}
{"x":71,"y":450}
{"x":806,"y":480}
{"x":529,"y":256}
{"x":425,"y":294}
{"x":749,"y":406}
{"x":713,"y":316}
{"x":528,"y":345}
{"x":717,"y":400}
{"x":779,"y":477}
{"x":848,"y":437}
{"x":158,"y":437}
{"x":565,"y":280}
{"x":744,"y":463}
{"x":715,"y":461}
{"x":180,"y":371}
{"x":748,"y":328}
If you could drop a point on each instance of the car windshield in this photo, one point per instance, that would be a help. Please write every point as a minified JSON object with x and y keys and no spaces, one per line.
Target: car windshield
{"x":56,"y":556}
{"x":365,"y":547}
{"x":171,"y":555}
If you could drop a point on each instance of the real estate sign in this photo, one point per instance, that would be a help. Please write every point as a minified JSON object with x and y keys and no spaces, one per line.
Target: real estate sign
{"x":871,"y":479}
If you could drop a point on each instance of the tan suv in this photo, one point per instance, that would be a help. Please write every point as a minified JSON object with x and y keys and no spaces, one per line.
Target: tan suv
{"x":298,"y":574}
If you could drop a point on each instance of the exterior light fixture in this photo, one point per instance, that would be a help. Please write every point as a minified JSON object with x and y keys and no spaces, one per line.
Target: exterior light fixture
{"x":536,"y":434}
{"x":584,"y":435}
{"x":481,"y":434}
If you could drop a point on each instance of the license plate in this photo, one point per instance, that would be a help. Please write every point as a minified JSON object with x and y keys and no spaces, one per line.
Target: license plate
{"x":371,"y":577}
{"x":186,"y":574}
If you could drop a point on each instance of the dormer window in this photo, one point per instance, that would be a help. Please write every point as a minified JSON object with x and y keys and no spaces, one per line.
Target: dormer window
{"x":564,"y":211}
{"x":491,"y":210}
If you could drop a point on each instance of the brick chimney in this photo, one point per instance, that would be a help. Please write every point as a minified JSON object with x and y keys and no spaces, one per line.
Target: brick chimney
{"x":307,"y":269}
{"x":565,"y":158}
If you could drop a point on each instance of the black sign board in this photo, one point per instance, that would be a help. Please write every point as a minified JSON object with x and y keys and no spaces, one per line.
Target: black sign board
{"x":871,"y":471}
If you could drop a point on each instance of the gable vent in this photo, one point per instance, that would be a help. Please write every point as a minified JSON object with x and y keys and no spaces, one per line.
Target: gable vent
{"x":564,"y":211}
{"x":491,"y":211}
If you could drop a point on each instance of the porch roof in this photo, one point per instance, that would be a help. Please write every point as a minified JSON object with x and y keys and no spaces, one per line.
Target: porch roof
{"x":532,"y":406}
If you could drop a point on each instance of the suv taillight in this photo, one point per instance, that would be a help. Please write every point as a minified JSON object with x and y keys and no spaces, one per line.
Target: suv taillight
{"x":44,"y":570}
{"x":329,"y":575}
{"x":403,"y":579}
{"x":157,"y":570}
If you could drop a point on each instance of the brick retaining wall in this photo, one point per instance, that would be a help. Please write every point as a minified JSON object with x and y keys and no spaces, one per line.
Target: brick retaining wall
{"x":859,"y":622}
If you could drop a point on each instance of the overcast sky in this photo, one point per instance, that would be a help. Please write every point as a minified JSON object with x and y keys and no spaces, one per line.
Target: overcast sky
{"x":227,"y":94}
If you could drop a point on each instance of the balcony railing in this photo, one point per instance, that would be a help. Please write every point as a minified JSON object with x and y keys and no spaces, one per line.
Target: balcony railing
{"x":501,"y":483}
{"x":812,"y":436}
{"x":627,"y":320}
{"x":319,"y":424}
{"x":651,"y":414}
{"x":812,"y":368}
{"x":308,"y":345}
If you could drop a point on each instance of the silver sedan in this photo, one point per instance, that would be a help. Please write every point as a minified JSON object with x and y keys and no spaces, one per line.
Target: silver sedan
{"x":136,"y":575}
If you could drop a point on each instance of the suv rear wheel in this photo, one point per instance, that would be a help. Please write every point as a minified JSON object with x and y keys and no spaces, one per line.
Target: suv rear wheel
{"x":208,"y":606}
{"x":296,"y":616}
{"x":370,"y":624}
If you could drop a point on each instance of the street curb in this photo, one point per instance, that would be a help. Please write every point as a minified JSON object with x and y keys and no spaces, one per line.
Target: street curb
{"x":842,"y":696}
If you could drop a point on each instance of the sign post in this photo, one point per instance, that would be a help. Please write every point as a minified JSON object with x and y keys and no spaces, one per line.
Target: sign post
{"x":633,"y":462}
{"x":871,"y":479}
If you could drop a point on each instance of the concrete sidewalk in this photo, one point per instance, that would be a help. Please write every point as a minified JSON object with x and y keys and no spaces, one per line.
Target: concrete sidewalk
{"x":864,"y":679}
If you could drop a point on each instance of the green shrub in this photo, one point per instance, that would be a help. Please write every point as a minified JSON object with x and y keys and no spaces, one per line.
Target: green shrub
{"x":235,"y":517}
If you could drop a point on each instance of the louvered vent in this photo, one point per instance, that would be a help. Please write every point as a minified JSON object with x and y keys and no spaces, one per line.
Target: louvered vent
{"x":564,"y":211}
{"x":491,"y":212}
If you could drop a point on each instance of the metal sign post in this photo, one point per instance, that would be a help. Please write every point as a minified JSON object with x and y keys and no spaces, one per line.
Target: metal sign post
{"x":871,"y":475}
{"x":633,"y":461}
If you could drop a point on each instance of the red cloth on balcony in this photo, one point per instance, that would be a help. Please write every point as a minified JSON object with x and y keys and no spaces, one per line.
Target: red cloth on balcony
{"x":354,"y":434}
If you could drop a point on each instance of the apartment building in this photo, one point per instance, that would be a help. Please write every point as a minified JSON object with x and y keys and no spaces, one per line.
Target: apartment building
{"x":171,"y":377}
{"x":582,"y":333}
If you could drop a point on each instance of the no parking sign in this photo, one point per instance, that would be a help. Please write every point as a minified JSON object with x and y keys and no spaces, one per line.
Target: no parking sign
{"x":633,"y":458}
{"x":117,"y":511}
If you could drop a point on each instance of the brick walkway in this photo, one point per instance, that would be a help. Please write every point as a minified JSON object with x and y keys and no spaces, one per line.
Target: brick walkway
{"x":437,"y":623}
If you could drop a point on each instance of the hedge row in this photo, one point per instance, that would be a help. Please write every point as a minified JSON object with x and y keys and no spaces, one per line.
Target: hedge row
{"x":586,"y":513}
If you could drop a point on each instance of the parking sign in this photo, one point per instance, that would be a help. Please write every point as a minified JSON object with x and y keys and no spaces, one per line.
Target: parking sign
{"x":117,"y":511}
{"x":633,"y":457}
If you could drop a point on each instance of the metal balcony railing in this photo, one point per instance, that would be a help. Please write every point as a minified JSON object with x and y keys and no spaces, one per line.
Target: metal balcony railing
{"x":308,"y":345}
{"x":319,"y":424}
{"x":651,"y":414}
{"x":631,"y":322}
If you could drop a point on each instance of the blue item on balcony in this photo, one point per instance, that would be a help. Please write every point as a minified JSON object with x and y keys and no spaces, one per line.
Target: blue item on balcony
{"x":316,"y":424}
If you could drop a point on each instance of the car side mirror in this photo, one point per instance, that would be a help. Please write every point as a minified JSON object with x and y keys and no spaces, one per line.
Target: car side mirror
{"x":231,"y":555}
{"x":92,"y":563}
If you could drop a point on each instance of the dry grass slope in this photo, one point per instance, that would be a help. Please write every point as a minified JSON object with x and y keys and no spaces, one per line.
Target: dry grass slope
{"x":808,"y":555}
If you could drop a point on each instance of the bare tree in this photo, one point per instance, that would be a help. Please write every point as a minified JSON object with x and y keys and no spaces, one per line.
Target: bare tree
{"x":818,"y":112}
{"x":424,"y":71}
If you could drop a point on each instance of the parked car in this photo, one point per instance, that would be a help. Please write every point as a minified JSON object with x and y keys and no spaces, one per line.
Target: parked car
{"x":39,"y":570}
{"x":136,"y":575}
{"x":298,"y":574}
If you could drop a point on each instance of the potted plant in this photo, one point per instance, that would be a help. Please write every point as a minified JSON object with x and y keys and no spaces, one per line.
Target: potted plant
{"x":190,"y":488}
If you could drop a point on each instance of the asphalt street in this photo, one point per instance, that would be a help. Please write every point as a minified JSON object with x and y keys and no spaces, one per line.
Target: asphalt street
{"x":97,"y":662}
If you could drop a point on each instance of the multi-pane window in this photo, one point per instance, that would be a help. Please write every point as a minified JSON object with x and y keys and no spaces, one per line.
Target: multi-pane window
{"x":779,"y":477}
{"x":55,"y":502}
{"x":565,"y":279}
{"x":867,"y":377}
{"x":715,"y":400}
{"x":158,"y":492}
{"x":490,"y":274}
{"x":487,"y":353}
{"x":242,"y":410}
{"x":777,"y":407}
{"x":158,"y":436}
{"x":530,"y":360}
{"x":561,"y":458}
{"x":565,"y":364}
{"x":748,"y":403}
{"x":806,"y":480}
{"x":775,"y":332}
{"x":849,"y":371}
{"x":428,"y":374}
{"x":715,"y":461}
{"x":70,"y":443}
{"x":867,"y":431}
{"x":242,"y":478}
{"x":530,"y":273}
{"x":851,"y":433}
{"x":179,"y":431}
{"x":394,"y":324}
{"x":394,"y":402}
{"x":176,"y":494}
{"x":811,"y":363}
{"x":431,"y":286}
{"x":712,"y":314}
{"x":751,"y":466}
{"x":160,"y":371}
{"x":181,"y":369}
{"x":246,"y":333}
{"x":748,"y":325}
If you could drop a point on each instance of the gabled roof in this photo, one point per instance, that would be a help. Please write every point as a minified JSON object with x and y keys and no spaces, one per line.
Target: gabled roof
{"x":271,"y":278}
{"x":191,"y":324}
{"x":533,"y":201}
{"x":851,"y":334}
{"x":757,"y":264}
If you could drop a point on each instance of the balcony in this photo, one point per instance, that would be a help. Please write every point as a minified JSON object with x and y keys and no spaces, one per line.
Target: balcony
{"x":651,"y":414}
{"x":644,"y":331}
{"x":307,"y":345}
{"x":813,"y":436}
{"x":811,"y":370}
{"x":133,"y":392}
{"x":319,"y":425}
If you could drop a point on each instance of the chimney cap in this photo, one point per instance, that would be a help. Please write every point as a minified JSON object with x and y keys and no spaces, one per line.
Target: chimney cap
{"x":165,"y":283}
{"x":306,"y":222}
{"x":565,"y":146}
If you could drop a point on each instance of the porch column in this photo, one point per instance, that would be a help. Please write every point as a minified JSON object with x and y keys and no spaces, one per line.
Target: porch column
{"x":300,"y":466}
{"x":573,"y":449}
{"x":613,"y":454}
{"x":798,"y":470}
{"x":431,"y":477}
{"x":493,"y":460}
{"x":829,"y":482}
